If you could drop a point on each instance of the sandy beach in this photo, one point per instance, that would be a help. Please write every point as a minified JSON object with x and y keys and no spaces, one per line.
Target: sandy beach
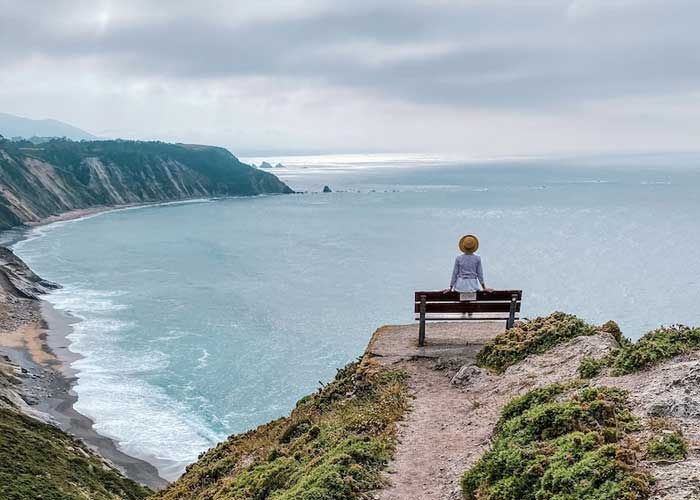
{"x":33,"y":340}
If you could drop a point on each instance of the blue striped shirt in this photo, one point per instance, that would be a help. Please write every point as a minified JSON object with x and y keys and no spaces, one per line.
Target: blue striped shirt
{"x":467,"y":266}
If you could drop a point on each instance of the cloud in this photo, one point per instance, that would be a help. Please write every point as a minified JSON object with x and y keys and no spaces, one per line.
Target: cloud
{"x":502,"y":56}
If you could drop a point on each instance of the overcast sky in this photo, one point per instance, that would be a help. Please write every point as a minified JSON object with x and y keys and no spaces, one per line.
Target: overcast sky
{"x":473,"y":77}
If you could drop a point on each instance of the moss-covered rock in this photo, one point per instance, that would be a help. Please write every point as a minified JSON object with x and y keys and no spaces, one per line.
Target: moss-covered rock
{"x":531,"y":337}
{"x":556,"y":445}
{"x":334,"y":445}
{"x":38,"y":461}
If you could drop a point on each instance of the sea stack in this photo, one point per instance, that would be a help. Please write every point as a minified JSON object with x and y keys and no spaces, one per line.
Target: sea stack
{"x":326,"y":189}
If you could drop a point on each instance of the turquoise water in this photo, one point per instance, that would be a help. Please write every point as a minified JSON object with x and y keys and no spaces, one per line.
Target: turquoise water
{"x":203,"y":319}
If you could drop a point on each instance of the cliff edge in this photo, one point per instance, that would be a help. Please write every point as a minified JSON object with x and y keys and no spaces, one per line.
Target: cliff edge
{"x":554,"y":408}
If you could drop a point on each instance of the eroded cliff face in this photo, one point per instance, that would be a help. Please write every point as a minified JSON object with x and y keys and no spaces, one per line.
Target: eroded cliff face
{"x":38,"y":181}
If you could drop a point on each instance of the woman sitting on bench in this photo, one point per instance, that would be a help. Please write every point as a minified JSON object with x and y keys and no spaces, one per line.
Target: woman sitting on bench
{"x":468,"y":275}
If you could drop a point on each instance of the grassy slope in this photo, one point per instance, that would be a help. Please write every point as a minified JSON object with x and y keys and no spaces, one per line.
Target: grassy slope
{"x":333,"y":445}
{"x":38,"y":461}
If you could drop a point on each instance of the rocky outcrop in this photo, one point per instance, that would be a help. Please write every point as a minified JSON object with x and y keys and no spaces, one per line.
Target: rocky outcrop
{"x":267,"y":165}
{"x":20,"y":289}
{"x":20,"y":281}
{"x":42,"y":180}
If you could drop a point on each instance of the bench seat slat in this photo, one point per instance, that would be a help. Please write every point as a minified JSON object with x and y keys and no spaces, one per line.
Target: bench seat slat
{"x":465,"y":307}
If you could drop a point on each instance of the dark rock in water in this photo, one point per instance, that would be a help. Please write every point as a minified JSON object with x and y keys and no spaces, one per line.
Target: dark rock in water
{"x":269,"y":165}
{"x":326,"y":189}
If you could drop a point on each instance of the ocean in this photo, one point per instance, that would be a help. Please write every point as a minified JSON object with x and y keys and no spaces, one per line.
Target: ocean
{"x":202,"y":319}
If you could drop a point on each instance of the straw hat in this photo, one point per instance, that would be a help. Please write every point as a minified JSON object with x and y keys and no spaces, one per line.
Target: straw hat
{"x":469,"y":243}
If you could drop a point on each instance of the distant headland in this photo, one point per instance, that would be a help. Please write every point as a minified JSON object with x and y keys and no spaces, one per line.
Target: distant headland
{"x":38,"y":181}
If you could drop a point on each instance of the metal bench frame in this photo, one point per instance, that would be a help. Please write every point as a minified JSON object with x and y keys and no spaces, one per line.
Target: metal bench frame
{"x":477,"y":306}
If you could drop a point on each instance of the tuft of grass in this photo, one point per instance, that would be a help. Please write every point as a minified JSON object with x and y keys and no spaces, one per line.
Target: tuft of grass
{"x":667,"y":445}
{"x":590,"y":367}
{"x":40,"y":461}
{"x":555,"y":445}
{"x":531,"y":337}
{"x":655,"y":347}
{"x":519,"y":405}
{"x":334,"y":445}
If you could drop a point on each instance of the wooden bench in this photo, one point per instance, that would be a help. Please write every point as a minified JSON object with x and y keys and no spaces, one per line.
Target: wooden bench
{"x":451,"y":306}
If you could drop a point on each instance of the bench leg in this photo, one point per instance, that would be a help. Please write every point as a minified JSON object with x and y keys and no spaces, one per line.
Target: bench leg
{"x":421,"y":325}
{"x":511,"y":315}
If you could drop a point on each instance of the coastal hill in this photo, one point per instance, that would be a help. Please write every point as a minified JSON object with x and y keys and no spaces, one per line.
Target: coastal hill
{"x":18,"y":126}
{"x":38,"y":181}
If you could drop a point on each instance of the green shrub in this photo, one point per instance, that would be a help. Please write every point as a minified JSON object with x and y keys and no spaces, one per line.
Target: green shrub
{"x":551,"y":447}
{"x":333,"y":446}
{"x":655,"y":347}
{"x":590,"y":367}
{"x":531,"y":337}
{"x":40,"y":461}
{"x":669,"y":445}
{"x":521,"y":404}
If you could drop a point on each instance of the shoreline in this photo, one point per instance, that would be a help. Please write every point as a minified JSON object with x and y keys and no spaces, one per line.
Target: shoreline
{"x":39,"y":347}
{"x":61,"y":405}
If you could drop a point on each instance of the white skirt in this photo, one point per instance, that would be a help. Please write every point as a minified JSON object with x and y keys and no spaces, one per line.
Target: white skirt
{"x":467,"y":285}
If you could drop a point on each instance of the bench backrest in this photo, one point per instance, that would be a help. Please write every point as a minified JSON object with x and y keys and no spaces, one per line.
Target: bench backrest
{"x":483,"y":305}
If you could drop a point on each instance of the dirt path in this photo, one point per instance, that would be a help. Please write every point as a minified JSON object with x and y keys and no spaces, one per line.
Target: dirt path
{"x":449,"y":425}
{"x":438,"y":441}
{"x":440,"y":437}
